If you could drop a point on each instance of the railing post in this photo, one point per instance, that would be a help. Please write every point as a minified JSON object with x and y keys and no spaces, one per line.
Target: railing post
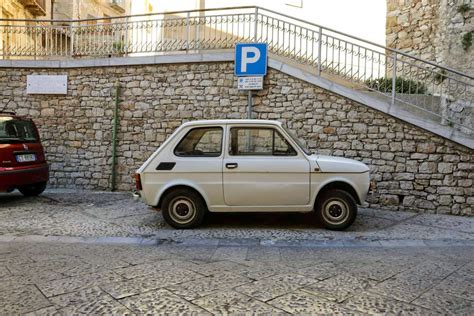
{"x":320,"y":43}
{"x":394,"y":78}
{"x":187,"y":32}
{"x":125,"y":46}
{"x":35,"y":40}
{"x":256,"y":25}
{"x":71,"y":39}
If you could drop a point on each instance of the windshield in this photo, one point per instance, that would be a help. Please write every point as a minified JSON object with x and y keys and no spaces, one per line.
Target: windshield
{"x":297,"y":140}
{"x":15,"y":130}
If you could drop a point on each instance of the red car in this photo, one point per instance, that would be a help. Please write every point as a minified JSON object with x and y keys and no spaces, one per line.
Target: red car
{"x":23,"y":165}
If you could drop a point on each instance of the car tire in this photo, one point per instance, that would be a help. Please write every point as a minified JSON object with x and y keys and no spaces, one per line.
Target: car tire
{"x":183,"y":208}
{"x":33,"y":189}
{"x":336,"y":209}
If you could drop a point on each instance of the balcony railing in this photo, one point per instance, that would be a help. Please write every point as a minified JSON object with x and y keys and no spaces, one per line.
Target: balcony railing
{"x":422,"y":87}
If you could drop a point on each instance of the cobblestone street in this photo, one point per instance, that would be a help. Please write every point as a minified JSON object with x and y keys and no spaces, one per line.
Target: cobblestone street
{"x":103,"y":214}
{"x":50,"y":278}
{"x":102,"y":253}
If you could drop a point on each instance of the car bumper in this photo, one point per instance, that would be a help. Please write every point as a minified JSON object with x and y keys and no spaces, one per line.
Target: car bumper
{"x":12,"y":178}
{"x":136,"y":196}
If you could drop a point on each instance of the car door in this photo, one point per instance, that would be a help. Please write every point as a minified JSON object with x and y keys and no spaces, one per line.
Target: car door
{"x":262,"y":168}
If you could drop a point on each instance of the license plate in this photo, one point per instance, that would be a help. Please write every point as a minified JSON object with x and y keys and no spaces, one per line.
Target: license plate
{"x":26,"y":157}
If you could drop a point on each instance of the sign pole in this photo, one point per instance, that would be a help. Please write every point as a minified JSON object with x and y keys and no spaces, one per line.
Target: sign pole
{"x":249,"y":101}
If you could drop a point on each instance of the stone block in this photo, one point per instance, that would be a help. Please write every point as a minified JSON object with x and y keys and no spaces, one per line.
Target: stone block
{"x":426,"y":148}
{"x":427,"y":167}
{"x":444,"y":167}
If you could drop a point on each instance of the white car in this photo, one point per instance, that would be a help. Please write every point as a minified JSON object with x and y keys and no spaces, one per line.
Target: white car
{"x":248,"y":166}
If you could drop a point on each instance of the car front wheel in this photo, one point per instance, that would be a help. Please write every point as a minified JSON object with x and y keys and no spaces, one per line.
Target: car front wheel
{"x":336,"y":209}
{"x":33,"y":189}
{"x":183,"y":208}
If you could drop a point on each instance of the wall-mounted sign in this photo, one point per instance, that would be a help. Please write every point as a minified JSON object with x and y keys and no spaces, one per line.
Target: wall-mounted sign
{"x":46,"y":84}
{"x":250,"y":83}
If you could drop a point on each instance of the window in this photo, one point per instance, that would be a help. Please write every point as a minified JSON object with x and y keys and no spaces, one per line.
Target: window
{"x":259,"y":142}
{"x":201,"y":142}
{"x":13,"y":130}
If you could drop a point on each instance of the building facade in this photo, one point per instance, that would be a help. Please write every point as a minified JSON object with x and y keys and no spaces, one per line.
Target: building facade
{"x":436,"y":30}
{"x":90,"y":9}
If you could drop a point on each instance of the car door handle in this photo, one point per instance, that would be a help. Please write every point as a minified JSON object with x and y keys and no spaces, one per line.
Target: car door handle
{"x":231,"y":165}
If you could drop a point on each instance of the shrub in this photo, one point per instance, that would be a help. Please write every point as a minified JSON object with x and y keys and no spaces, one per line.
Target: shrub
{"x":466,"y":41}
{"x":402,"y":85}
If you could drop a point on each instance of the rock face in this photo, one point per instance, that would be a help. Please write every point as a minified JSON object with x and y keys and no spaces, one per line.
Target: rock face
{"x":414,"y":170}
{"x":432,"y":30}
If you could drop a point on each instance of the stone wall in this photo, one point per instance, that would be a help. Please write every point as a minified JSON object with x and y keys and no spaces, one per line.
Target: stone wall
{"x":432,"y":30}
{"x":414,"y":169}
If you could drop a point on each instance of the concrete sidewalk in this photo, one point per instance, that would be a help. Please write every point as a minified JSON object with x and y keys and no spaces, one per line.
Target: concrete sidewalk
{"x":104,"y":217}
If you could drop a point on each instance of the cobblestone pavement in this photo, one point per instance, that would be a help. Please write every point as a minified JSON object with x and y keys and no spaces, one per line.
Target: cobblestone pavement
{"x":102,"y":214}
{"x":66,"y":279}
{"x":387,"y":263}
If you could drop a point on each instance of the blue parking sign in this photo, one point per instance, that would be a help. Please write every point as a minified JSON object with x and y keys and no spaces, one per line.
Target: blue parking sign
{"x":250,"y":59}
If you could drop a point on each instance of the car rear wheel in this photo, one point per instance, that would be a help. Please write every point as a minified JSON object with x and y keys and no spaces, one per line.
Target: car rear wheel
{"x":183,"y":208}
{"x":33,"y":189}
{"x":336,"y":209}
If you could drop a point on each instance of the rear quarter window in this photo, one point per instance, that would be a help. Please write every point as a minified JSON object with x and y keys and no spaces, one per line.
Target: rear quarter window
{"x":17,"y":130}
{"x":201,"y":142}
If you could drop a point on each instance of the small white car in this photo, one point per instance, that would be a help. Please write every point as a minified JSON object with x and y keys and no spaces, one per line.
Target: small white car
{"x":248,"y":166}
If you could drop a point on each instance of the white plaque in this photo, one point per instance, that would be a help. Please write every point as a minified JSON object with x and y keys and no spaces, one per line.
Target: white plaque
{"x":46,"y":84}
{"x":250,"y":83}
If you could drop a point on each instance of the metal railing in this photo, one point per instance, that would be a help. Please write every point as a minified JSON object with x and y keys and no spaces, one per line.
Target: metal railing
{"x":420,"y":87}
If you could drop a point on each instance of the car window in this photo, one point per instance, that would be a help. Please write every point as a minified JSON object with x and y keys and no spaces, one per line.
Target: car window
{"x":259,"y":142}
{"x":201,"y":142}
{"x":15,"y":130}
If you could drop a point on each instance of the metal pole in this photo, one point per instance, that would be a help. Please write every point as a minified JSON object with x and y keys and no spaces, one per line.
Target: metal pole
{"x":394,"y":77}
{"x":249,"y":101}
{"x":187,"y":32}
{"x":125,"y":47}
{"x":256,"y":25}
{"x":35,"y":39}
{"x":320,"y":40}
{"x":114,"y":137}
{"x":71,"y":39}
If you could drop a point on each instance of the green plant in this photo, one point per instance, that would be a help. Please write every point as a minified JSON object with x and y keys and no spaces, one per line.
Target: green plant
{"x":439,"y":77}
{"x":466,"y":41}
{"x":118,"y":46}
{"x":402,"y":85}
{"x":464,"y":8}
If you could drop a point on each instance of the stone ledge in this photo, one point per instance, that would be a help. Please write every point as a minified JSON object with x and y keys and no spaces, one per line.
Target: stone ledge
{"x":120,"y":61}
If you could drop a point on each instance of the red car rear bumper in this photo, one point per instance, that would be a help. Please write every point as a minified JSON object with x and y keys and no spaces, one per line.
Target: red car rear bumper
{"x":11,"y":178}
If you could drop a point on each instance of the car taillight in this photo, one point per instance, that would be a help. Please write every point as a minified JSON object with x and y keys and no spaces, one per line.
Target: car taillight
{"x":138,"y":182}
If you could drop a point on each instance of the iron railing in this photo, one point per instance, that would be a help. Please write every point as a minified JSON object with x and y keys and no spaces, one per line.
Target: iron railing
{"x":420,"y":87}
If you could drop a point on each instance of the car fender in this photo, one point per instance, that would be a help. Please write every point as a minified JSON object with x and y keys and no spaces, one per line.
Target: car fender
{"x":331,"y":180}
{"x":180,"y":182}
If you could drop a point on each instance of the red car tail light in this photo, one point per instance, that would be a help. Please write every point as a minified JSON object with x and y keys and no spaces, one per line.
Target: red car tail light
{"x":138,"y":182}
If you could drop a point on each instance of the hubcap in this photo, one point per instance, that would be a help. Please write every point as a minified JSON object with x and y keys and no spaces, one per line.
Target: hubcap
{"x":335,"y":211}
{"x":182,"y":210}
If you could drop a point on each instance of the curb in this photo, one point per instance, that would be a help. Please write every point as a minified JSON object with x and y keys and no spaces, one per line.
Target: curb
{"x":153,"y":241}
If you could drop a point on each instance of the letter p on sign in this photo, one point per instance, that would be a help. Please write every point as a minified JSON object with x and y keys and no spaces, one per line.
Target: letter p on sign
{"x":246,"y":59}
{"x":250,"y":59}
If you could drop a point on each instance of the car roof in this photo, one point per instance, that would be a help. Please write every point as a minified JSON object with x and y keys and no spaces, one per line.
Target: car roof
{"x":231,"y":121}
{"x":12,"y":115}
